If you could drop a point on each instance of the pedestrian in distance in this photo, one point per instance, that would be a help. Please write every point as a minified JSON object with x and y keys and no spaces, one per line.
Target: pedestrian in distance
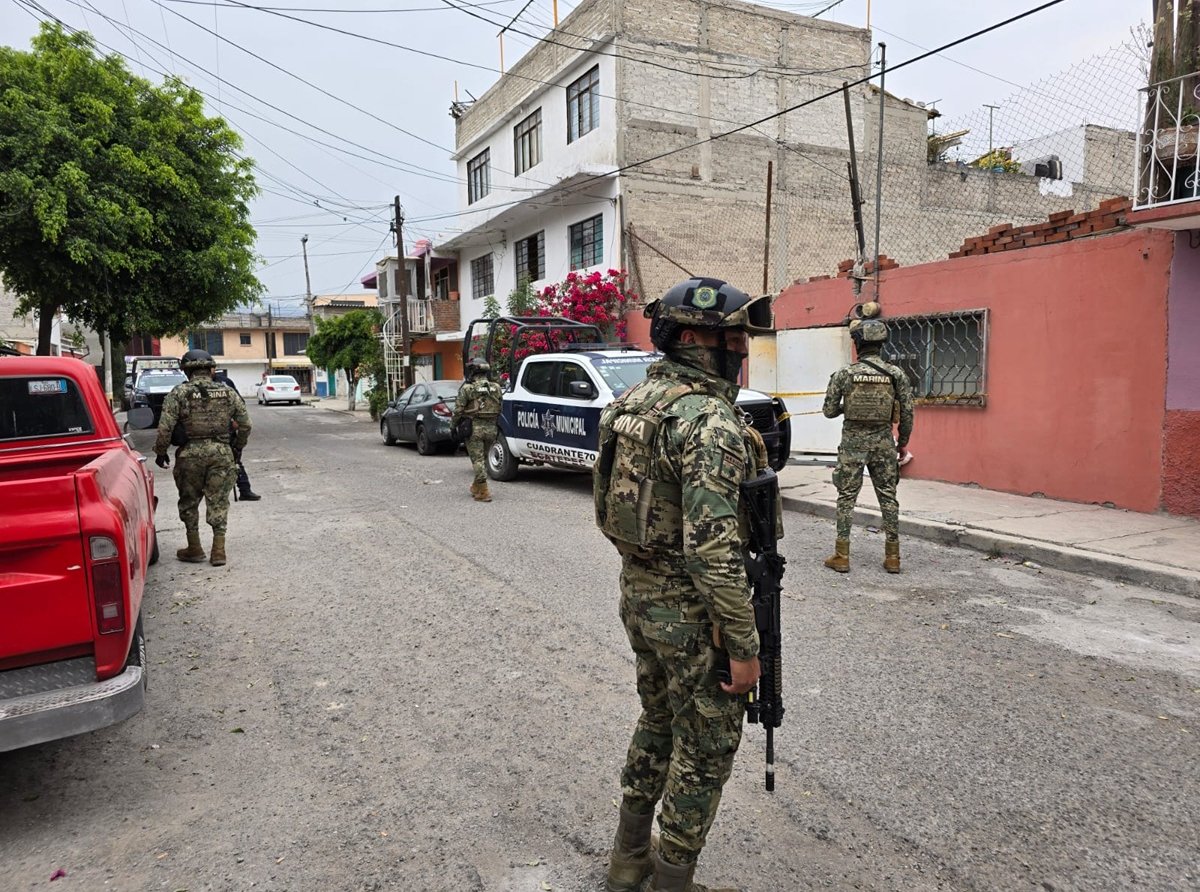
{"x":674,"y":452}
{"x":871,"y":395}
{"x":197,"y":417}
{"x":244,"y":492}
{"x":474,"y":421}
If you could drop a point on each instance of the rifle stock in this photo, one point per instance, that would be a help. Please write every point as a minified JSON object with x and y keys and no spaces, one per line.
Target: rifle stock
{"x":764,"y":568}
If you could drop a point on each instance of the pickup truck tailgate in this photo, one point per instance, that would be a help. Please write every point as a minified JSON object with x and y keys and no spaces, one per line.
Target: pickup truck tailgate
{"x":43,"y":584}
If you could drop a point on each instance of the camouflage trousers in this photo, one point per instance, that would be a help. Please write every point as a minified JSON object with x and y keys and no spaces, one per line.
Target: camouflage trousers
{"x":876,"y":450}
{"x":689,"y":729}
{"x":205,"y":469}
{"x":483,"y":435}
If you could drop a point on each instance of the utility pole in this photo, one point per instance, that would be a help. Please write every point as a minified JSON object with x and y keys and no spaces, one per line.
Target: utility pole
{"x":402,"y":295}
{"x":879,"y":159}
{"x":308,"y":297}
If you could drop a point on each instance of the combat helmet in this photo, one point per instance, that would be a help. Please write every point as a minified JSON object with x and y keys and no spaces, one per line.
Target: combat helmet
{"x":866,"y":327}
{"x":706,"y":303}
{"x":194,"y":360}
{"x":479,"y":367}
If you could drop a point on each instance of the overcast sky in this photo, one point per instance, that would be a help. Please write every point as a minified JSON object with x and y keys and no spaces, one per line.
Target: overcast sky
{"x":404,"y":89}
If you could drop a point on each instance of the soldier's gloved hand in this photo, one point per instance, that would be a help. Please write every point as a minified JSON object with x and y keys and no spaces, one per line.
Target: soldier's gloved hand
{"x":163,"y":461}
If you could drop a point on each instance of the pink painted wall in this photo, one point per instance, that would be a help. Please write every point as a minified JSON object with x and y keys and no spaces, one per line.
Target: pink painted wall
{"x":1075,"y":373}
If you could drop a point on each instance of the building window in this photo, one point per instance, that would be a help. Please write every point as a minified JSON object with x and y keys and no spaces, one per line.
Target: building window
{"x":483,"y":283}
{"x":479,"y":176}
{"x":531,"y":258}
{"x":587,"y":242}
{"x":295,"y":342}
{"x":441,"y":283}
{"x":527,"y":143}
{"x":944,"y":355}
{"x":244,"y":340}
{"x":583,"y":105}
{"x":210,"y":341}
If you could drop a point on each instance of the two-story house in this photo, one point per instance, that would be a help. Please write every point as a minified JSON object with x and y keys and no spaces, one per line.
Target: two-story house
{"x":249,"y":345}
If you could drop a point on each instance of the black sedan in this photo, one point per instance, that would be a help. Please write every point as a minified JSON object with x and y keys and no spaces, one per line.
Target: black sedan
{"x":421,"y":415}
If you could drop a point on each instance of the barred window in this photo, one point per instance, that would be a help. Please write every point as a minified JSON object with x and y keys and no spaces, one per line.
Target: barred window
{"x":587,"y":242}
{"x":211,"y":341}
{"x":479,"y":176}
{"x":531,"y":258}
{"x":244,"y":340}
{"x":527,"y":143}
{"x":583,"y":105}
{"x":483,"y":283}
{"x":944,"y":355}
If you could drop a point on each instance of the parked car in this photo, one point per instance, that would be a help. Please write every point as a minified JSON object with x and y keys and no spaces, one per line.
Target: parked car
{"x":421,"y":415}
{"x":76,"y":538}
{"x":152,"y":387}
{"x":279,"y":389}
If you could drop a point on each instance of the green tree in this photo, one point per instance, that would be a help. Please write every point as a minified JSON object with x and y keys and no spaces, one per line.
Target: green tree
{"x":350,"y":343}
{"x":121,"y":204}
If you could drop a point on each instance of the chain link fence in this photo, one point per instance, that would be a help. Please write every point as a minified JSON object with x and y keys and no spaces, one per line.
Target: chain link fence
{"x":1064,"y":143}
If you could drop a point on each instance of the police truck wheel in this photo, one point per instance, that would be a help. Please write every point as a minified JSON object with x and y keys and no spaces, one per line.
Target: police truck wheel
{"x":386,"y":433}
{"x":424,"y":447}
{"x":500,"y":463}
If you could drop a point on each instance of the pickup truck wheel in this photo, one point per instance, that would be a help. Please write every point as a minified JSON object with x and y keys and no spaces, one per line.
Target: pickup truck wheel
{"x":137,"y":652}
{"x":424,"y":447}
{"x":153,"y":547}
{"x":500,"y":462}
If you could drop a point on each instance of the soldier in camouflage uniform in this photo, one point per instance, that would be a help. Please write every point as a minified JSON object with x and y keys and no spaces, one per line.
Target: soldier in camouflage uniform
{"x":871,"y":395}
{"x":479,"y":400}
{"x":673,"y":453}
{"x":204,"y":464}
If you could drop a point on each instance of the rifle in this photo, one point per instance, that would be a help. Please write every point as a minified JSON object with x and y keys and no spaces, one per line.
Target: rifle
{"x":764,"y":568}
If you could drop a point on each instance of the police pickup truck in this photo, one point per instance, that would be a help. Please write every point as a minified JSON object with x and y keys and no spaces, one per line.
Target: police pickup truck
{"x":550,"y":413}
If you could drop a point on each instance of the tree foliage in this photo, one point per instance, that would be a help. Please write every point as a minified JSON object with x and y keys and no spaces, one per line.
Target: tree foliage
{"x":121,"y":203}
{"x":349,"y":342}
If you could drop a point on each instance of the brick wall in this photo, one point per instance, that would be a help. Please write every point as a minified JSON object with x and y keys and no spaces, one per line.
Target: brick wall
{"x":445,"y":315}
{"x":1058,"y":227}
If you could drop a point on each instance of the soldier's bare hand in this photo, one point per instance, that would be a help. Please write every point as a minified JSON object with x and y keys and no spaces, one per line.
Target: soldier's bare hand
{"x":745,"y":675}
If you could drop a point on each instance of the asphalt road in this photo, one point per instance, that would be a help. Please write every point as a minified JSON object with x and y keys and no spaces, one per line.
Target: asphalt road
{"x":391,"y":686}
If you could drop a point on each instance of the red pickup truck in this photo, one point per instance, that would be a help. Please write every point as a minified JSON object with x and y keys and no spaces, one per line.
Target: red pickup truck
{"x":76,"y":535}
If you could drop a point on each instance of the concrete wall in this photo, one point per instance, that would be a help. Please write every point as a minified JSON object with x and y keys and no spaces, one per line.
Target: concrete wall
{"x":1076,"y":382}
{"x":1181,"y":430}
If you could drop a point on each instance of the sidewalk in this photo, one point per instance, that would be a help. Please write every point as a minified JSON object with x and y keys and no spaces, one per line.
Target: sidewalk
{"x":338,"y":404}
{"x":1156,"y":550}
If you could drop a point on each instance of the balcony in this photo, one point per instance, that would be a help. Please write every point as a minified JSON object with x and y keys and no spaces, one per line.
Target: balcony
{"x":1167,"y":193}
{"x":425,"y":317}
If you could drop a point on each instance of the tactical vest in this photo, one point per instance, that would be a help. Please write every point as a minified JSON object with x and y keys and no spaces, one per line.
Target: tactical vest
{"x":207,"y":410}
{"x":638,"y":513}
{"x":871,"y":396}
{"x":486,"y":401}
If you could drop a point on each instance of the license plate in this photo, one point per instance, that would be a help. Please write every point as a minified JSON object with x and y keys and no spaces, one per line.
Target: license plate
{"x":58,"y":385}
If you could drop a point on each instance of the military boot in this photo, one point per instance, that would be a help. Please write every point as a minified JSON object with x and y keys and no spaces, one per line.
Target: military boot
{"x":840,"y":559}
{"x":891,"y":555}
{"x":629,"y":864}
{"x":482,"y":494}
{"x":246,"y":494}
{"x":194,"y":553}
{"x":475,"y":490}
{"x":670,"y":877}
{"x":217,"y":559}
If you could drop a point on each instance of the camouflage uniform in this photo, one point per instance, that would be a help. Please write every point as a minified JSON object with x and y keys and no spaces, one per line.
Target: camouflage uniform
{"x":205,"y":467}
{"x":870,"y":443}
{"x":681,"y":539}
{"x":479,"y":399}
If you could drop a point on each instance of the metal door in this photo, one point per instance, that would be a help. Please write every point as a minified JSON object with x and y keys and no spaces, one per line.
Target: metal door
{"x":796,"y":365}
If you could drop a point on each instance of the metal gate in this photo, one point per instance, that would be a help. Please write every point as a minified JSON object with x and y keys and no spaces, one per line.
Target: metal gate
{"x":796,"y":366}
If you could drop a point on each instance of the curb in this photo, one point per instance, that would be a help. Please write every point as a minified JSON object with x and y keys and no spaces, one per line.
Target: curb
{"x":1175,"y":580}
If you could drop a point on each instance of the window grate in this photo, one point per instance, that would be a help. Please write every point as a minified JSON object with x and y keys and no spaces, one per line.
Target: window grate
{"x":479,"y":176}
{"x":483,"y":283}
{"x":531,"y":257}
{"x":583,"y":105}
{"x":213,"y":342}
{"x":944,"y":356}
{"x":587,"y":242}
{"x":527,"y":143}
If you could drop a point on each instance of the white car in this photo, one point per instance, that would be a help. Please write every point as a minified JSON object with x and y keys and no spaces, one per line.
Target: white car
{"x":279,"y":389}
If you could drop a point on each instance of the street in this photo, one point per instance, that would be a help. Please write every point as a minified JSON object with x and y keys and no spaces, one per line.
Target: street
{"x":391,"y":686}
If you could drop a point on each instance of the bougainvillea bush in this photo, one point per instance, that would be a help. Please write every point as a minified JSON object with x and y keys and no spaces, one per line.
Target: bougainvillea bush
{"x":596,"y":298}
